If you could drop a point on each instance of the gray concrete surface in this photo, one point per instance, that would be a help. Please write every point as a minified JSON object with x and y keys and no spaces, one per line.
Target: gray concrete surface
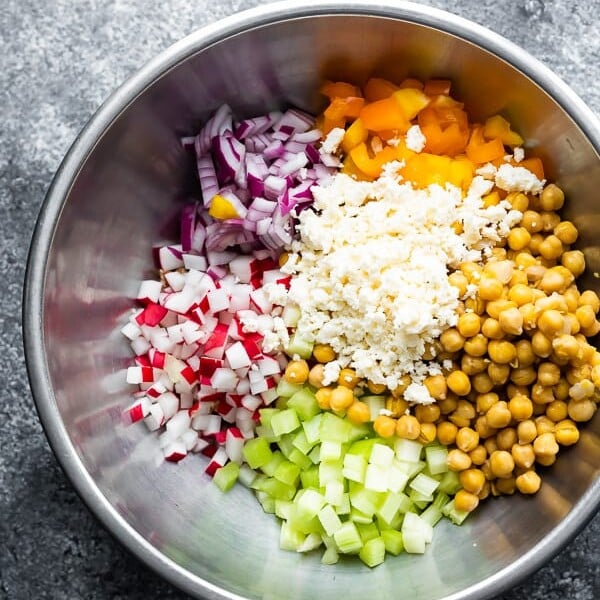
{"x":58,"y":60}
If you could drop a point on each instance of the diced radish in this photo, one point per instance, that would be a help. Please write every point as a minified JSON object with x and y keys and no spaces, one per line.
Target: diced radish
{"x":155,"y":418}
{"x":234,"y":444}
{"x":181,"y":302}
{"x":170,"y":258}
{"x":258,"y":383}
{"x":175,"y":451}
{"x":155,"y":390}
{"x":139,"y":409}
{"x":140,"y":375}
{"x":179,"y":423}
{"x":193,"y":261}
{"x":260,"y":301}
{"x":140,"y":345}
{"x":190,"y":439}
{"x":268,"y":366}
{"x":149,"y":291}
{"x":186,"y":400}
{"x":243,"y":386}
{"x":169,"y":404}
{"x":250,"y":402}
{"x":176,"y":280}
{"x":240,"y":297}
{"x":131,"y":330}
{"x":215,"y":345}
{"x":237,"y":356}
{"x":152,"y":315}
{"x":218,"y":460}
{"x":224,"y":380}
{"x":269,"y":396}
{"x":252,"y":345}
{"x":241,"y":267}
{"x":218,"y":300}
{"x":157,"y":359}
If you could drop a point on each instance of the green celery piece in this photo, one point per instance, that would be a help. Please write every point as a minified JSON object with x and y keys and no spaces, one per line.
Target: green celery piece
{"x":395,"y":523}
{"x":456,"y":516}
{"x":437,"y":459}
{"x":390,"y":506}
{"x":348,"y":539}
{"x":363,"y":447}
{"x":276,"y":459}
{"x":301,"y":443}
{"x":286,"y":444}
{"x":424,"y":485}
{"x":414,"y":534}
{"x":300,"y":459}
{"x":393,"y":541}
{"x":309,"y":504}
{"x":329,"y":520}
{"x":315,"y":454}
{"x":344,"y":507}
{"x":287,"y":472}
{"x":376,"y":478}
{"x":334,"y":429}
{"x":358,"y":517}
{"x":257,"y":452}
{"x":312,"y":429}
{"x":311,"y":542}
{"x":360,"y":432}
{"x":373,"y":552}
{"x":450,"y":483}
{"x":330,"y":471}
{"x":226,"y":476}
{"x":334,"y":492}
{"x":281,"y":403}
{"x":411,"y":468}
{"x":275,"y":488}
{"x":375,"y":404}
{"x":305,"y":404}
{"x":330,"y":450}
{"x":285,"y":389}
{"x":441,"y":499}
{"x":267,"y":502}
{"x":283,"y":509}
{"x":267,"y":434}
{"x":419,"y":500}
{"x":330,"y":556}
{"x":266,"y":414}
{"x":290,"y":538}
{"x":367,"y":501}
{"x":354,"y":467}
{"x":408,"y":450}
{"x":432,"y":514}
{"x":284,"y":421}
{"x":297,"y":345}
{"x":310,"y":477}
{"x":367,"y":531}
{"x":382,"y":455}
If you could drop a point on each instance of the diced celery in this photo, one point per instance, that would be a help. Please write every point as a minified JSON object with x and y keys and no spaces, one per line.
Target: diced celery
{"x":310,"y":477}
{"x":329,"y":519}
{"x":291,"y":315}
{"x":281,"y":403}
{"x":373,"y":552}
{"x":287,"y":472}
{"x":334,"y":429}
{"x":381,"y":455}
{"x":290,"y":538}
{"x":297,"y":345}
{"x":347,"y":538}
{"x":358,"y":517}
{"x":414,"y":534}
{"x":330,"y":556}
{"x":301,"y":443}
{"x":344,"y":506}
{"x":411,"y":468}
{"x":304,"y":403}
{"x":437,"y":459}
{"x":309,"y":504}
{"x":390,"y":506}
{"x":266,"y":433}
{"x":247,"y":475}
{"x":432,"y":514}
{"x":363,"y":448}
{"x":275,"y":488}
{"x":424,"y":485}
{"x":267,"y":502}
{"x":330,"y":450}
{"x":266,"y":415}
{"x":450,"y":483}
{"x":276,"y":459}
{"x":367,"y":501}
{"x":395,"y":523}
{"x":226,"y":476}
{"x":408,"y":450}
{"x":334,"y":492}
{"x":397,"y":478}
{"x":367,"y":531}
{"x":285,"y":389}
{"x":300,"y":459}
{"x":419,"y":500}
{"x":315,"y":454}
{"x":312,"y":429}
{"x":375,"y":403}
{"x":376,"y":478}
{"x":330,"y":471}
{"x":311,"y":542}
{"x":393,"y":541}
{"x":359,"y":432}
{"x":355,"y":467}
{"x":456,"y":516}
{"x":283,"y":508}
{"x":257,"y":452}
{"x":284,"y":421}
{"x":306,"y":526}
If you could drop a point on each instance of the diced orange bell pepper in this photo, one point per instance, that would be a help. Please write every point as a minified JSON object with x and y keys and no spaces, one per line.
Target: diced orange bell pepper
{"x":372,"y":166}
{"x":355,"y":134}
{"x":498,"y":127}
{"x":411,"y":101}
{"x":535,"y":165}
{"x":379,"y":89}
{"x":411,"y":82}
{"x":384,"y":114}
{"x":325,"y":125}
{"x":461,"y":173}
{"x":425,"y":169}
{"x":443,"y":101}
{"x":479,"y":151}
{"x":339,"y":89}
{"x":445,"y":128}
{"x":436,"y":87}
{"x":350,"y":169}
{"x":342,"y":108}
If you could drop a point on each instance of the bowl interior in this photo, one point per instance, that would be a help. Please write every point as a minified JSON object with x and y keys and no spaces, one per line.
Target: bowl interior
{"x":125,"y":198}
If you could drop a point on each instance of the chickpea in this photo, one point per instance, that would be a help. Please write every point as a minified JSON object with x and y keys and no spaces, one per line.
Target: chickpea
{"x":590,"y":297}
{"x":566,"y":433}
{"x":484,"y":402}
{"x":518,"y":238}
{"x":545,"y":445}
{"x":561,"y":389}
{"x":501,"y":352}
{"x":548,"y":374}
{"x":446,"y":433}
{"x":520,"y":294}
{"x":459,"y":281}
{"x":551,"y":322}
{"x":403,"y":383}
{"x":476,"y":305}
{"x":581,"y":410}
{"x":323,"y":397}
{"x":525,"y":355}
{"x":498,"y":373}
{"x":472,"y":480}
{"x":549,"y":220}
{"x":482,"y":383}
{"x":552,"y":197}
{"x":467,"y":439}
{"x":502,"y":463}
{"x":358,"y":413}
{"x":468,"y":324}
{"x":483,"y":428}
{"x":506,"y":438}
{"x":492,"y":330}
{"x":323,"y":353}
{"x":458,"y":460}
{"x":541,"y":394}
{"x":528,"y":482}
{"x":518,"y":278}
{"x":376,"y":388}
{"x":551,"y":248}
{"x":523,"y":376}
{"x":472,"y":365}
{"x":574,"y":260}
{"x":471,"y":270}
{"x":478,"y":455}
{"x":566,"y":232}
{"x":495,"y":307}
{"x":459,"y":383}
{"x":476,"y":346}
{"x":516,"y":390}
{"x":552,"y":281}
{"x":526,"y":431}
{"x":506,"y":486}
{"x":585,"y":315}
{"x":490,"y":288}
{"x":523,"y":455}
{"x":546,"y":460}
{"x":532,"y":221}
{"x":449,"y":404}
{"x":499,"y":415}
{"x":436,"y":386}
{"x":543,"y":425}
{"x":316,"y":375}
{"x":408,"y":427}
{"x":571,"y":296}
{"x":385,"y":427}
{"x":465,"y":501}
{"x":565,"y":346}
{"x":397,"y":406}
{"x":296,"y":371}
{"x":427,"y":433}
{"x":520,"y":407}
{"x":348,"y":378}
{"x":541,"y":345}
{"x":557,"y":411}
{"x":341,"y":398}
{"x":452,"y":340}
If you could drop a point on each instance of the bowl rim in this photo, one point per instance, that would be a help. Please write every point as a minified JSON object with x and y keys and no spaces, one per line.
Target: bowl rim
{"x":82,"y":147}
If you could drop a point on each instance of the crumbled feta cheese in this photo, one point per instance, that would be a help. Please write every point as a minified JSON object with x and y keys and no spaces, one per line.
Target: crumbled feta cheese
{"x":415,"y":140}
{"x":418,"y":394}
{"x":518,"y":154}
{"x":393,"y":142}
{"x":518,"y":179}
{"x":488,"y":171}
{"x":276,"y":293}
{"x":333,"y":140}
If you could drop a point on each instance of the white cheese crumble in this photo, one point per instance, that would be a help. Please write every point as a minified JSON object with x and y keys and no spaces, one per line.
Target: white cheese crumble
{"x":415,"y":140}
{"x":371,"y":270}
{"x":518,"y":179}
{"x":518,"y":154}
{"x":333,"y":140}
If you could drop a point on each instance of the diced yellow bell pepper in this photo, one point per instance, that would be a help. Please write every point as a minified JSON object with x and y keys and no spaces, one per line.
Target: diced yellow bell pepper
{"x":355,"y":134}
{"x":461,"y":172}
{"x":384,"y":114}
{"x":221,"y":208}
{"x":498,"y":127}
{"x":425,"y":169}
{"x":479,"y":151}
{"x":491,"y":199}
{"x":350,"y":169}
{"x":411,"y":101}
{"x":378,"y":89}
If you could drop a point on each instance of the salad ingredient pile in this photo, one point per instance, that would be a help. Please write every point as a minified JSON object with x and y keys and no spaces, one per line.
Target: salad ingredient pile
{"x":372,"y":319}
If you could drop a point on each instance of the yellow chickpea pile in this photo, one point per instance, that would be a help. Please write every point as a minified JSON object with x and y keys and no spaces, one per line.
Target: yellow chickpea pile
{"x":523,"y":375}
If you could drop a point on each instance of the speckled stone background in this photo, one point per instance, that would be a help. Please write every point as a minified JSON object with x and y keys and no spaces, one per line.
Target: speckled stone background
{"x":59,"y":59}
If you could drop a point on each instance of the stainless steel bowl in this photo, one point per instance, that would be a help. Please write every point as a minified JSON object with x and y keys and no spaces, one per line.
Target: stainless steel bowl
{"x":118,"y":191}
